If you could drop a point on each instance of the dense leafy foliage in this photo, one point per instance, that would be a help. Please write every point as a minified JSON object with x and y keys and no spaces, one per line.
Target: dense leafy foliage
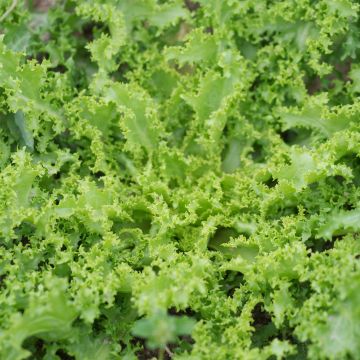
{"x":179,"y":179}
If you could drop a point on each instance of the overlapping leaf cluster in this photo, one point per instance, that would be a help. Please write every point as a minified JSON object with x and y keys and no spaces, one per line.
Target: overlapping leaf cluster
{"x":180,"y":178}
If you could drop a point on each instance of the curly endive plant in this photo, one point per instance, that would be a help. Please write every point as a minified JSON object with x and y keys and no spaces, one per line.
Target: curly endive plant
{"x":179,"y":179}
